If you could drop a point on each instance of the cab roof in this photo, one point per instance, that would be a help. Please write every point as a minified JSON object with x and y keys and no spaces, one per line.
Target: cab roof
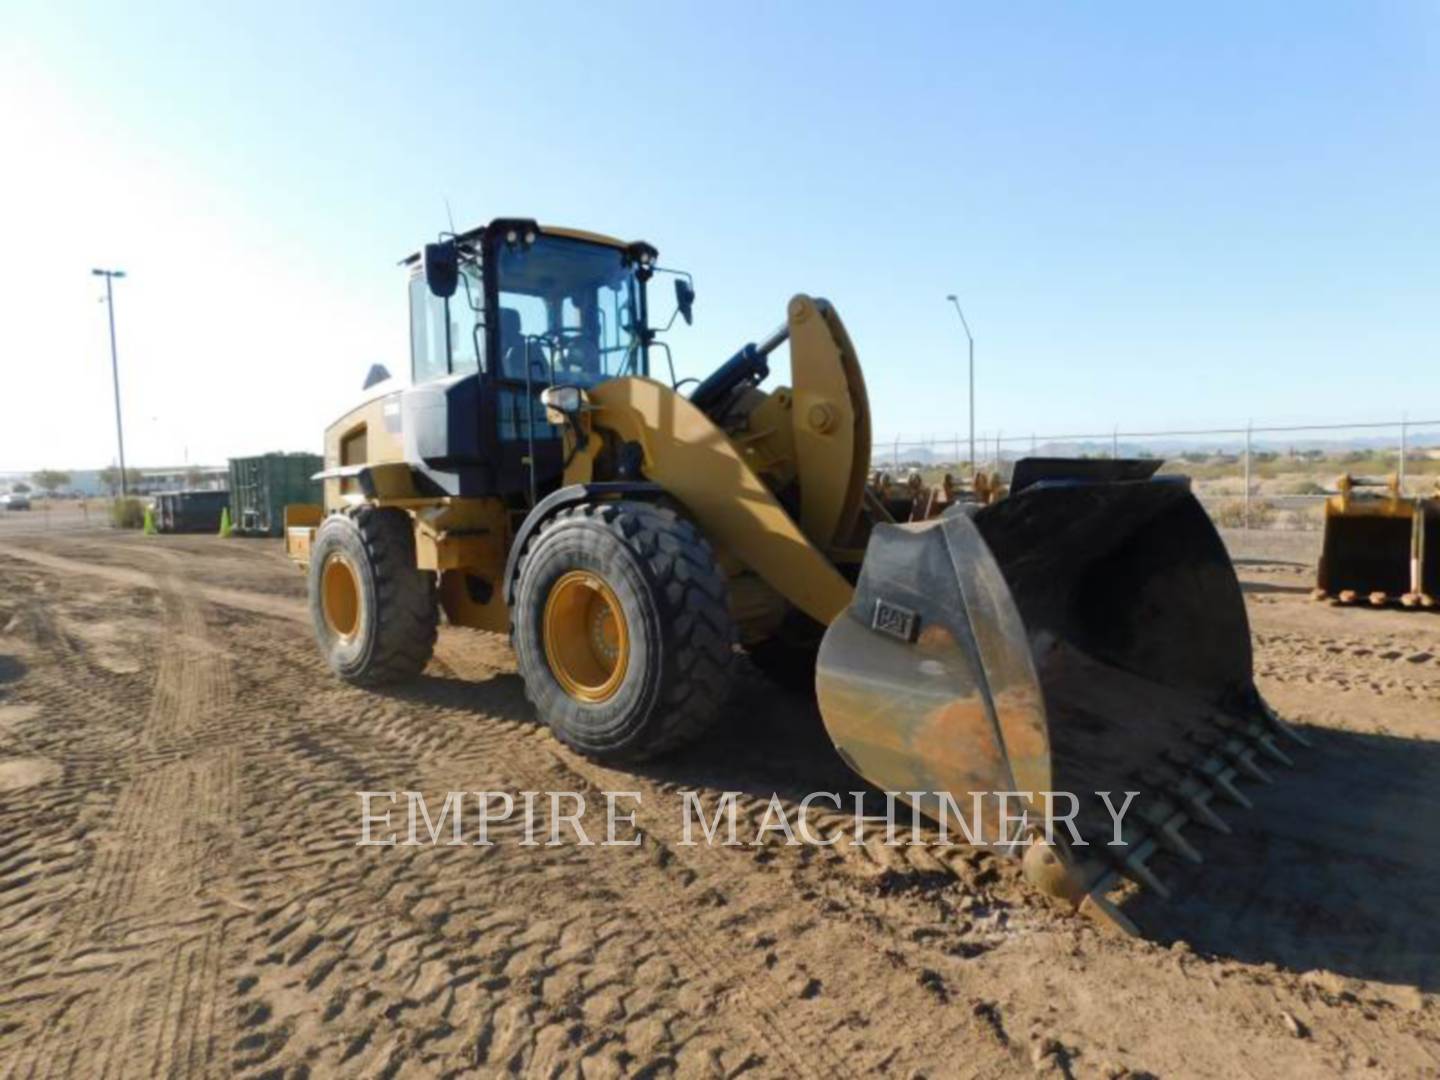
{"x":474,"y":235}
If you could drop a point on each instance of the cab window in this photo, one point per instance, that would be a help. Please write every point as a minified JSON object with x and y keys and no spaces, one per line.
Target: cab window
{"x":447,"y":337}
{"x":523,"y":320}
{"x":429,"y":353}
{"x":572,"y":307}
{"x":467,"y":323}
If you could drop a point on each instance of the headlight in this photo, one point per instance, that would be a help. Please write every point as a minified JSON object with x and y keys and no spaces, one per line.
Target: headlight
{"x":564,"y":399}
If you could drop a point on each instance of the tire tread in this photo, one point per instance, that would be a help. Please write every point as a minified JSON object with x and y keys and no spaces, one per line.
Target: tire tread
{"x":408,"y":617}
{"x":691,"y":591}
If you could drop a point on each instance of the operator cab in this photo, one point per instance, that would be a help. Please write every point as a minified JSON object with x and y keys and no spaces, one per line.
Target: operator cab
{"x":498,"y":314}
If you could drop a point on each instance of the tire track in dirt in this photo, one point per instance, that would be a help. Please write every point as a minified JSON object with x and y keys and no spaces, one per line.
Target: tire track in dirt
{"x":156,"y":820}
{"x":568,"y":974}
{"x":433,"y":739}
{"x":140,"y":947}
{"x":748,"y":909}
{"x":469,"y":662}
{"x":151,"y":1015}
{"x":72,"y":712}
{"x":739,"y":896}
{"x":280,"y":607}
{"x":478,"y":1007}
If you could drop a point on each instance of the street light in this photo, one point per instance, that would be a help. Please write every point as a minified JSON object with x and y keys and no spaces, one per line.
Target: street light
{"x":110,"y":276}
{"x":951,"y":297}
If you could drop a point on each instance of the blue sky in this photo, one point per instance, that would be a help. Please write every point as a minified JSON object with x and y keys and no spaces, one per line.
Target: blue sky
{"x":1156,"y":216}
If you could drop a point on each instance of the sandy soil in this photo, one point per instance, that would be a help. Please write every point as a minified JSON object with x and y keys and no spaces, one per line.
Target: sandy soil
{"x":180,"y":890}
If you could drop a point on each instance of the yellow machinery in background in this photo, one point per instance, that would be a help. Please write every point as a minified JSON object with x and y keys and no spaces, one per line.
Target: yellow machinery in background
{"x":543,"y":474}
{"x":1379,"y":546}
{"x":910,"y":498}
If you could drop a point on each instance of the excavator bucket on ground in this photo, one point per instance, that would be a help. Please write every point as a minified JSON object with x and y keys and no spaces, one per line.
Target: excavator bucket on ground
{"x":1373,"y":545}
{"x":1084,"y":636}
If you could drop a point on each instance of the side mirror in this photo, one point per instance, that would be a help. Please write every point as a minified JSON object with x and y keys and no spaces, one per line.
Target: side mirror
{"x":442,"y":268}
{"x":685,"y":300}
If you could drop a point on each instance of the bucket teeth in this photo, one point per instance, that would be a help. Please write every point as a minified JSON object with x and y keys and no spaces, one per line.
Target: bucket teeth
{"x":1206,"y":816}
{"x":1290,"y":733}
{"x":1167,"y":834}
{"x":1185,"y":781}
{"x":1244,"y":760}
{"x":1163,"y":818}
{"x":1134,"y":867}
{"x":1273,"y":719}
{"x":1237,"y":747}
{"x":1232,"y":751}
{"x":1230,"y":791}
{"x":1172,"y":838}
{"x":1255,"y":733}
{"x":1190,"y":792}
{"x":1268,"y":747}
{"x":1137,"y":868}
{"x":1211,"y":772}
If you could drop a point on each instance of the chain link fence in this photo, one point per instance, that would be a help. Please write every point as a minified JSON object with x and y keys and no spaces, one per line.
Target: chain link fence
{"x":1256,"y":476}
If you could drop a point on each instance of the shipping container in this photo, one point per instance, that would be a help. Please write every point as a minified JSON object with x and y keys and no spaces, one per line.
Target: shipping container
{"x":189,"y":511}
{"x":261,"y":487}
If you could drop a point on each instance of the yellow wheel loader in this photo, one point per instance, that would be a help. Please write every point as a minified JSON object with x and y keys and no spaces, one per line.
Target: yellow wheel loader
{"x":543,"y":475}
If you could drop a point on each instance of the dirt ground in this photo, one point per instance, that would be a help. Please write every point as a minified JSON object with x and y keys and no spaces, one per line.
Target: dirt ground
{"x":181,"y":891}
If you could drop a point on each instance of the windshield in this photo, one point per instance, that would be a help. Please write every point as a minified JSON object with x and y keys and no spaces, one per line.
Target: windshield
{"x":569,"y":309}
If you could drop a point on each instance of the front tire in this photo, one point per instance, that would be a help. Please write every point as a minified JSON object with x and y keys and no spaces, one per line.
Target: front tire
{"x":374,"y":612}
{"x":622,"y":630}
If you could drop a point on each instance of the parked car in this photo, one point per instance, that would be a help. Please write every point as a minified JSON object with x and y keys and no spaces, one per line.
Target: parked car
{"x":15,"y":501}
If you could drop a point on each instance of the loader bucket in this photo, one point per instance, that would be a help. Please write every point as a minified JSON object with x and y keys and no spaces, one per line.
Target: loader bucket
{"x":1079,"y":636}
{"x":1369,"y":550}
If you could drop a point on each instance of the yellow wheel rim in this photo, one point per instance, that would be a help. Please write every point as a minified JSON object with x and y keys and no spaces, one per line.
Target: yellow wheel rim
{"x":587,"y":643}
{"x":340,"y":596}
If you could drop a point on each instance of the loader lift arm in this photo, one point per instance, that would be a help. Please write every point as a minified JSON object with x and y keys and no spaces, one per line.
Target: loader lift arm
{"x":827,"y":436}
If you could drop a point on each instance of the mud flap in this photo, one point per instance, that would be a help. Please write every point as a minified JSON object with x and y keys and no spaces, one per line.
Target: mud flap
{"x":1078,"y":638}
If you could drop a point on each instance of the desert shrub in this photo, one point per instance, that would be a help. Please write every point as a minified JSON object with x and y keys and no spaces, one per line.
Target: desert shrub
{"x":127,"y":514}
{"x":1309,"y":519}
{"x":1262,"y":514}
{"x":1302,"y":487}
{"x":1231,"y":514}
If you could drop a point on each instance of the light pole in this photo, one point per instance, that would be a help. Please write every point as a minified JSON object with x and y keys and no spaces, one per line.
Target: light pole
{"x":110,"y":276}
{"x":951,"y":297}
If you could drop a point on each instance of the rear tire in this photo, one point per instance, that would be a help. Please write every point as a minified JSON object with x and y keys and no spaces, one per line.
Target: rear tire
{"x":374,"y":612}
{"x":622,"y":630}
